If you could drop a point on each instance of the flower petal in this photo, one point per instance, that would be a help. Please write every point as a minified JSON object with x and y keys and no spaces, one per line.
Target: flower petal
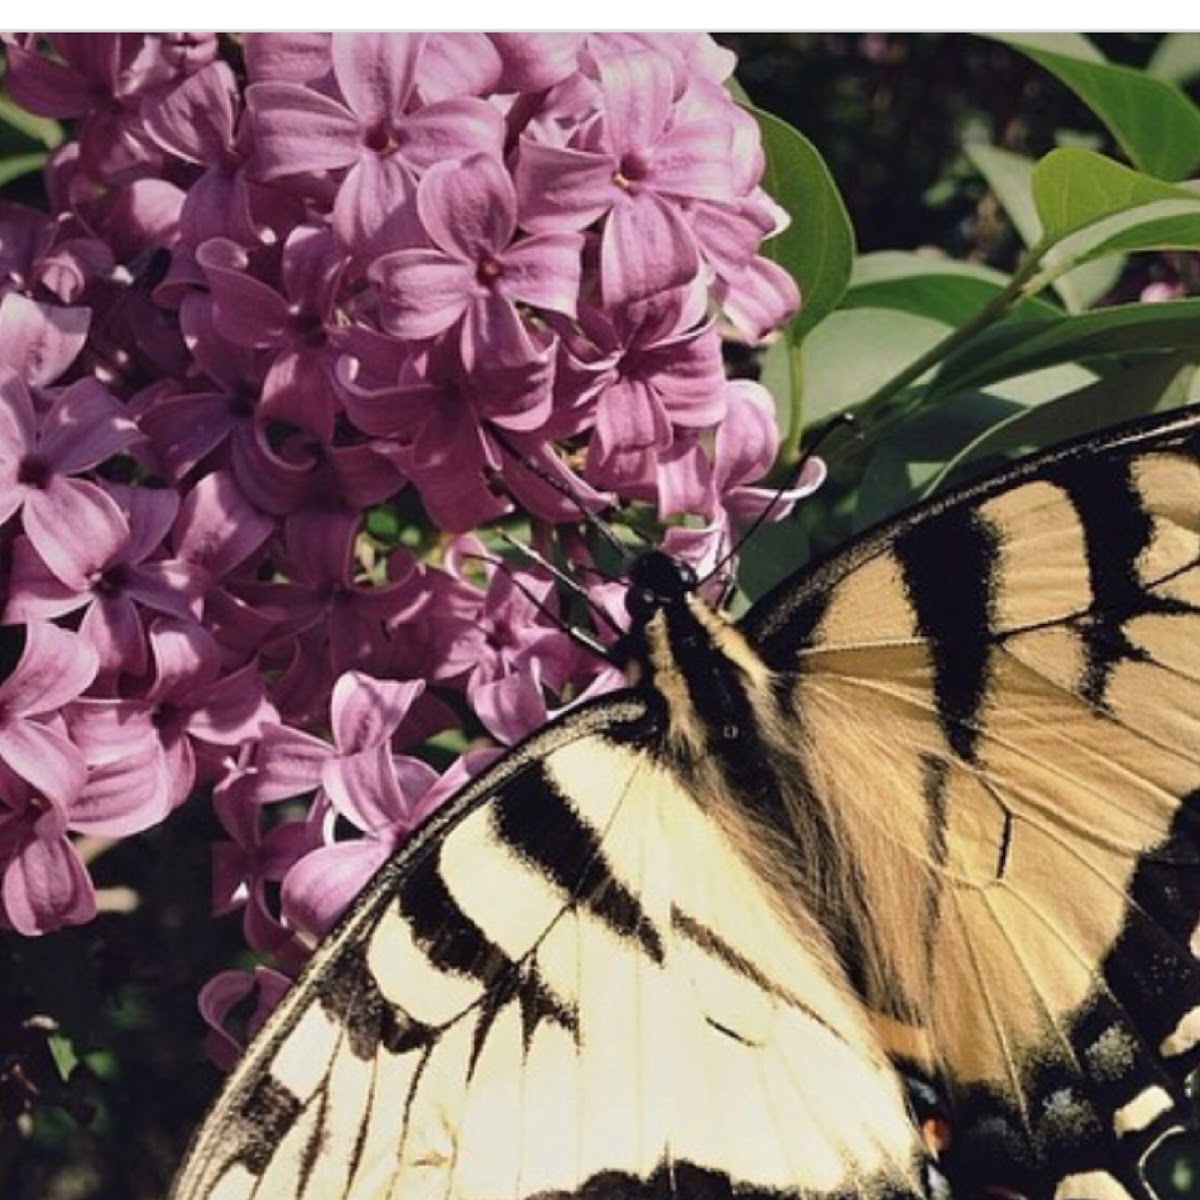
{"x":422,"y":292}
{"x":54,"y":668}
{"x":646,"y":248}
{"x":46,"y":886}
{"x":45,"y":758}
{"x":321,"y":886}
{"x":40,"y":340}
{"x":375,"y":72}
{"x":451,"y":129}
{"x":468,"y":208}
{"x":366,"y":711}
{"x":638,"y":91}
{"x":76,"y":528}
{"x":544,"y":270}
{"x":298,"y":130}
{"x":84,"y":426}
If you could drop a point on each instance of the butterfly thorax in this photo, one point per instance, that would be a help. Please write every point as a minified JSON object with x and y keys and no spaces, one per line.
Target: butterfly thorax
{"x":714,"y":689}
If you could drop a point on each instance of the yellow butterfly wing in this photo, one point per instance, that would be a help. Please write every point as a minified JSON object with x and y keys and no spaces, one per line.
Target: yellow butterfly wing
{"x":568,"y":984}
{"x":994,"y":707}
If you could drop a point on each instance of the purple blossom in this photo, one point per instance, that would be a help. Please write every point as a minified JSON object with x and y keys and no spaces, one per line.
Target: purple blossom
{"x":474,"y":272}
{"x":385,"y":804}
{"x":375,"y":129}
{"x":66,"y":766}
{"x":40,"y":341}
{"x":250,"y":864}
{"x":661,"y":370}
{"x":114,"y":577}
{"x":64,"y":517}
{"x":197,"y":122}
{"x":55,"y":667}
{"x":225,"y":991}
{"x":272,"y":341}
{"x":633,"y":164}
{"x":288,"y":320}
{"x":43,"y":882}
{"x":201,"y":714}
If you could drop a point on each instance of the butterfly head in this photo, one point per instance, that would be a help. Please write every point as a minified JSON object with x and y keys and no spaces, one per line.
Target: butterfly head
{"x":657,"y":581}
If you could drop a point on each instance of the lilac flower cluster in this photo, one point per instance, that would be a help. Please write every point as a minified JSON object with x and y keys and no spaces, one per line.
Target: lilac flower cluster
{"x":290,"y":283}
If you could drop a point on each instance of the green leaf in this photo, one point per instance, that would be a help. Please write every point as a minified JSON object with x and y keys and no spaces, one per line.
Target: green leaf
{"x":1017,"y":347}
{"x":817,"y":248}
{"x":63,"y":1053}
{"x":1152,"y":119}
{"x":1074,"y":45}
{"x":853,"y":352}
{"x":20,"y":164}
{"x":1177,"y":58}
{"x":1171,"y":231}
{"x":1147,"y":387}
{"x":1073,"y":189}
{"x":42,"y":130}
{"x":1010,"y":176}
{"x":939,"y":288}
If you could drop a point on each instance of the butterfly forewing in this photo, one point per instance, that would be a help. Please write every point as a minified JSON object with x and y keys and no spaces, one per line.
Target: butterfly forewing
{"x":570,"y":984}
{"x":997,"y":703}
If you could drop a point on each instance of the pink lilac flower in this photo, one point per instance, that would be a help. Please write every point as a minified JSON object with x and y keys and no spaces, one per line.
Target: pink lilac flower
{"x":120,"y":790}
{"x":474,"y":275}
{"x":661,"y":370}
{"x":474,"y":272}
{"x":347,"y":621}
{"x":201,"y":714}
{"x":375,"y":130}
{"x":43,"y":882}
{"x":40,"y":341}
{"x":197,"y":122}
{"x":226,"y":991}
{"x":63,"y":516}
{"x":55,"y":667}
{"x":439,"y":422}
{"x":287,"y":319}
{"x":115,"y":577}
{"x":97,"y":78}
{"x":385,"y":806}
{"x":633,"y":164}
{"x":250,"y":864}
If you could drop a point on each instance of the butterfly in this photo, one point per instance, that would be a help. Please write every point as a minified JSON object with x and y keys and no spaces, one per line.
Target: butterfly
{"x":930,"y":806}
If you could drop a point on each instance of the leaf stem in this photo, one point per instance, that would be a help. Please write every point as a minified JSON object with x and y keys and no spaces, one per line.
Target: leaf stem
{"x":789,"y":451}
{"x":1026,"y":282}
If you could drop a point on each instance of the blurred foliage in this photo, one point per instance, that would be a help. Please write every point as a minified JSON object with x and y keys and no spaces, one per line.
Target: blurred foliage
{"x":966,"y":330}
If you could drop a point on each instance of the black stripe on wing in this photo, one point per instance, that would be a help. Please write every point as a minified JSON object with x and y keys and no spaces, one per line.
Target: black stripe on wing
{"x":682,"y":1180}
{"x":545,"y":832}
{"x":1117,"y":530}
{"x":949,"y":568}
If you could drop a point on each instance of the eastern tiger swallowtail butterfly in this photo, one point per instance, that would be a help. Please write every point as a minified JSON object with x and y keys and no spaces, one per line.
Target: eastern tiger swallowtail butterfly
{"x":929,"y":805}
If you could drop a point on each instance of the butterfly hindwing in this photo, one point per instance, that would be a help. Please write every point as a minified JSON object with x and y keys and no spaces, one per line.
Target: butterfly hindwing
{"x":996,"y":703}
{"x":568,"y":984}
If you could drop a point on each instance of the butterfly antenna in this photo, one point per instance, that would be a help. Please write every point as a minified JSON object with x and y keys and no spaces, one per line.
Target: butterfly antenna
{"x":576,"y":635}
{"x":843,"y":420}
{"x":586,"y":514}
{"x":559,"y":575}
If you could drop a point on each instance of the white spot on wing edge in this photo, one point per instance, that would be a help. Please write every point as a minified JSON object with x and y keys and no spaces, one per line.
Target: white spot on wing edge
{"x":1090,"y":1185}
{"x":1141,"y":1110}
{"x":236,"y":1184}
{"x":1184,"y":1036}
{"x":304,"y":1056}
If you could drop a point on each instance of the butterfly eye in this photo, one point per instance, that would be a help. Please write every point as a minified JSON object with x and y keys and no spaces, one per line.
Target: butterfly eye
{"x":640,"y":604}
